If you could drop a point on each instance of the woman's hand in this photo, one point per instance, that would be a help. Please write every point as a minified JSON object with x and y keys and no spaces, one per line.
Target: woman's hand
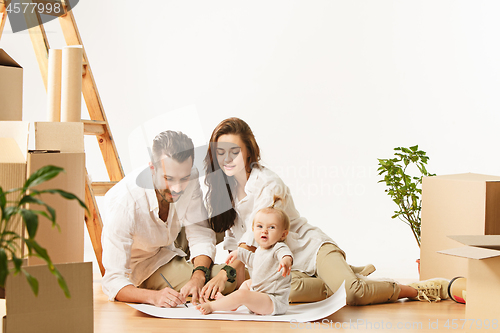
{"x":212,"y":287}
{"x":286,"y":264}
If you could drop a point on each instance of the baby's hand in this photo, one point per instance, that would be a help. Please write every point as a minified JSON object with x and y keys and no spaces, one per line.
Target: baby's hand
{"x":286,"y":264}
{"x":232,"y":256}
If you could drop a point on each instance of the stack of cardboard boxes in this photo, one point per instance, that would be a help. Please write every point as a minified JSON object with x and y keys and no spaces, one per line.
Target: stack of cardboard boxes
{"x":11,"y":88}
{"x":59,"y":144}
{"x":467,"y":205}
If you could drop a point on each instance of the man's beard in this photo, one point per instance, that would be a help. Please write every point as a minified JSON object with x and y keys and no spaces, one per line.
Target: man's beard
{"x":166,"y":195}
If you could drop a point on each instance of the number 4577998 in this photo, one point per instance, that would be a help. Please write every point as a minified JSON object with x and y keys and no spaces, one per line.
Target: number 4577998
{"x":29,"y":7}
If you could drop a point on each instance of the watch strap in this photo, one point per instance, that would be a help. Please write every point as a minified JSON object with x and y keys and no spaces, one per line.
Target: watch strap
{"x":205,"y":270}
{"x":230,"y":272}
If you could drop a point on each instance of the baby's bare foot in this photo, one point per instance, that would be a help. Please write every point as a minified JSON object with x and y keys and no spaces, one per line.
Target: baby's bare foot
{"x":219,"y":296}
{"x":205,"y":308}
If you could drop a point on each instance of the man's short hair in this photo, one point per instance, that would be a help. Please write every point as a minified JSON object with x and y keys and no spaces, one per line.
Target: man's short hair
{"x":176,"y":145}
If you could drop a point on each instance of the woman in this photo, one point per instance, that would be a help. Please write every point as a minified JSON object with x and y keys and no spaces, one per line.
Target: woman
{"x":239,"y":186}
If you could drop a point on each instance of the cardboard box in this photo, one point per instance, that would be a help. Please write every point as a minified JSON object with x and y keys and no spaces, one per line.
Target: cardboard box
{"x":464,"y":204}
{"x":51,"y":311}
{"x":65,"y":137}
{"x":11,"y":88}
{"x":483,"y":281}
{"x":13,"y":152}
{"x":67,"y":245}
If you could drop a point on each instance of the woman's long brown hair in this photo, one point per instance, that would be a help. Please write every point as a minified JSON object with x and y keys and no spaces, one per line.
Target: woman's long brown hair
{"x":219,"y":198}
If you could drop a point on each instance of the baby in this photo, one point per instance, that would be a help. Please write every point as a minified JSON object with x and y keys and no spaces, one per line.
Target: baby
{"x":266,"y":293}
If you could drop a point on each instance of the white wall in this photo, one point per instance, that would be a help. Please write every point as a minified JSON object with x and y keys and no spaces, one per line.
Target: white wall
{"x":327,"y":87}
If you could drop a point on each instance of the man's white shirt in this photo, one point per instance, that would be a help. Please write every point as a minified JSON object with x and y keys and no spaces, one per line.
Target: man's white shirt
{"x":136,"y":242}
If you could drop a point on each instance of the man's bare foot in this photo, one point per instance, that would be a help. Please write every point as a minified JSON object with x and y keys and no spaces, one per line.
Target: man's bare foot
{"x":205,"y":308}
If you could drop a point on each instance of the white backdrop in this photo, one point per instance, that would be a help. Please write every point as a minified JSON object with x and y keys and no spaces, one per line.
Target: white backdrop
{"x":327,"y":87}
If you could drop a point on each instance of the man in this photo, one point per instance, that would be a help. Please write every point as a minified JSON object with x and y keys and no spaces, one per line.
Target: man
{"x":142,"y":223}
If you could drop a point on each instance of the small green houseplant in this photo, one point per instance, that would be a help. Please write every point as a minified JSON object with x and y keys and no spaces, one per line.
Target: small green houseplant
{"x":405,"y":189}
{"x":9,"y":240}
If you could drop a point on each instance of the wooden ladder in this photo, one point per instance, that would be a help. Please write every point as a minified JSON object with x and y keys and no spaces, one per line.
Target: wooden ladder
{"x":98,"y":125}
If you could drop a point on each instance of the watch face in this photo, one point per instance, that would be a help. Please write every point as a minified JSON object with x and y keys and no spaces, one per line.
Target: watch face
{"x":231,"y":273}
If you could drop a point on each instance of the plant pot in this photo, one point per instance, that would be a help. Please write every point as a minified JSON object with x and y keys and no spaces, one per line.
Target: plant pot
{"x":418,"y":263}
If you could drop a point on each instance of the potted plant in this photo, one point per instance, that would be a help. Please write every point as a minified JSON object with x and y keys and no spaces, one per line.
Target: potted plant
{"x":9,"y":239}
{"x":404,"y":188}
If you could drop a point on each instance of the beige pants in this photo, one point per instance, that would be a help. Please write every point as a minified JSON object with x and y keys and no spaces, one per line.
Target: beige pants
{"x":332,"y":270}
{"x":178,"y":272}
{"x":307,"y":289}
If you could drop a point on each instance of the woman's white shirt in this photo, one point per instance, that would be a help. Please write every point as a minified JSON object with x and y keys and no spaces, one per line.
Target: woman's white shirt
{"x":304,"y":240}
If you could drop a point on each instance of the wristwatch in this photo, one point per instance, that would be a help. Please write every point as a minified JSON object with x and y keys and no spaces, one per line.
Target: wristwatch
{"x":205,"y":270}
{"x":231,"y":273}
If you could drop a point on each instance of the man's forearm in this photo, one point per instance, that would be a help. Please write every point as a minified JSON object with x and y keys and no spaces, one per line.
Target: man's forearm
{"x":133,"y":294}
{"x":204,"y":261}
{"x":165,"y":297}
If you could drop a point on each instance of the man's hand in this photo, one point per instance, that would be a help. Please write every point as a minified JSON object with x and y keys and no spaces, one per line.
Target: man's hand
{"x":286,"y":264}
{"x":167,"y":298}
{"x":215,"y":285}
{"x":193,"y":287}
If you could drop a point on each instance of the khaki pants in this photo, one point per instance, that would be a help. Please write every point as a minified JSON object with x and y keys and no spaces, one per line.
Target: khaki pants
{"x":307,"y":289}
{"x":332,"y":268}
{"x":178,"y":272}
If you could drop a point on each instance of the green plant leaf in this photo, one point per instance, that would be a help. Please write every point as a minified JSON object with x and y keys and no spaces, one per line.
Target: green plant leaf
{"x":41,"y":212}
{"x":31,"y":221}
{"x":18,"y":262}
{"x":61,"y":281}
{"x":404,"y":188}
{"x":406,"y":150}
{"x":8,"y":232}
{"x":9,"y":212}
{"x":4,"y":269}
{"x":42,"y":253}
{"x":32,"y":282}
{"x":39,"y":251}
{"x":3,"y":199}
{"x":9,"y":240}
{"x":30,"y":199}
{"x":42,"y":175}
{"x":11,"y":246}
{"x":65,"y":195}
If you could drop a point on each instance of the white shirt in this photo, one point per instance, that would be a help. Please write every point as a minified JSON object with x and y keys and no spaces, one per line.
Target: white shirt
{"x":264,"y":264}
{"x":136,"y":242}
{"x":265,"y":275}
{"x":304,"y":240}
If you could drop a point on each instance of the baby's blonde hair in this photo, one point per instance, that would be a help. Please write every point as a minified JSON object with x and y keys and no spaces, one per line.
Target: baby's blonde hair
{"x":278,"y":211}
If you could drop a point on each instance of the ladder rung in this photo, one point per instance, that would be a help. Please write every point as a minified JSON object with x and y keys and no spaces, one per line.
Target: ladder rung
{"x":94,"y":127}
{"x":100,"y":188}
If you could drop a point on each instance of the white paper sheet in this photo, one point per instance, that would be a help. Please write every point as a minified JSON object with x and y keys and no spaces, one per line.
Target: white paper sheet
{"x":299,"y":313}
